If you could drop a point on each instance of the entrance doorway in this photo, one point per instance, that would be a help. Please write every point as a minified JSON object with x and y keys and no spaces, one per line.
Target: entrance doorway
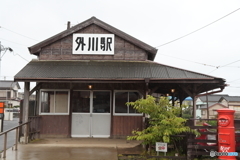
{"x":91,"y":116}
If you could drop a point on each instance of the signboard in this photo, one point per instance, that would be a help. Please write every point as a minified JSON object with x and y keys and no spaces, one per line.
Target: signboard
{"x":97,"y":44}
{"x":1,"y":107}
{"x":161,"y":147}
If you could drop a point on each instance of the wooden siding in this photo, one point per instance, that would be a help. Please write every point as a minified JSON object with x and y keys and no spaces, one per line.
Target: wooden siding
{"x":124,"y":125}
{"x":62,"y":49}
{"x":55,"y":125}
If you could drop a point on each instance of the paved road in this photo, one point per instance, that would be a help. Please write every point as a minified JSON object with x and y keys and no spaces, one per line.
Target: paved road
{"x":11,"y":135}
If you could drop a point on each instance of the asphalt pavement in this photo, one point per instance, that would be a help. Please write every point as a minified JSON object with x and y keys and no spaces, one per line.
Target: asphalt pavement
{"x":11,"y":135}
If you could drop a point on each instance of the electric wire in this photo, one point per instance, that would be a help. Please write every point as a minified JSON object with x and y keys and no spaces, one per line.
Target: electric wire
{"x":224,"y":66}
{"x":18,"y":33}
{"x":198,"y":29}
{"x":16,"y":54}
{"x":14,"y":42}
{"x":190,"y":61}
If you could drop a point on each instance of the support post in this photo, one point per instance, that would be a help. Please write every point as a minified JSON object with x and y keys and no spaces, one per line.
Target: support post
{"x":26,"y":108}
{"x":16,"y":140}
{"x":5,"y":145}
{"x":194,"y":109}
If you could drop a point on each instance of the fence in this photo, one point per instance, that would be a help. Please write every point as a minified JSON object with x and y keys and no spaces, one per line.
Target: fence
{"x":32,"y":128}
{"x":193,"y":147}
{"x":17,"y":136}
{"x":200,"y":147}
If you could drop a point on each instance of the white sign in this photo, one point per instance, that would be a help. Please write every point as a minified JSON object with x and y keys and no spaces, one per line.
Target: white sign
{"x":161,"y":147}
{"x":98,"y":44}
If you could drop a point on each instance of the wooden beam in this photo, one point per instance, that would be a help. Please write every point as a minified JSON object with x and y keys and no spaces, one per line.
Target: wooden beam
{"x":35,"y":88}
{"x":184,"y":88}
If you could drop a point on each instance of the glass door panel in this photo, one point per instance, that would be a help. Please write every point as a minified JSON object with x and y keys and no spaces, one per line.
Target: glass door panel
{"x":81,"y":116}
{"x":101,"y":117}
{"x":101,"y":102}
{"x":81,"y":101}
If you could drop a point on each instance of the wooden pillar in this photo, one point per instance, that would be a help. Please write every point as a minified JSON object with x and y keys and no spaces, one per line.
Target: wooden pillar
{"x":26,"y":108}
{"x":145,"y":96}
{"x":173,"y":99}
{"x":181,"y":101}
{"x":194,"y":108}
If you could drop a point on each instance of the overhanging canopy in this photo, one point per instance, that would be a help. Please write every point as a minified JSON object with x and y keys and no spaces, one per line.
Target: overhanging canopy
{"x":108,"y":70}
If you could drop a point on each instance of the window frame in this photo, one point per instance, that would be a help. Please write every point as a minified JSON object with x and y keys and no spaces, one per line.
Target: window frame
{"x":125,"y":114}
{"x":54,"y":90}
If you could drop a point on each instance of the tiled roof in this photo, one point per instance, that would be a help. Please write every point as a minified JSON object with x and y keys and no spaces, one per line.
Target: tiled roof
{"x":233,"y":98}
{"x":106,"y":70}
{"x":8,"y":84}
{"x":213,"y":97}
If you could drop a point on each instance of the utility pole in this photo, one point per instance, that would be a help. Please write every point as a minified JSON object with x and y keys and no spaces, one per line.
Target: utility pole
{"x":2,"y":48}
{"x":0,"y":58}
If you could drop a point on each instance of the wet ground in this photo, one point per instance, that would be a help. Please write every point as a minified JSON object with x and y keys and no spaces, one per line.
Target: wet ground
{"x":74,"y":149}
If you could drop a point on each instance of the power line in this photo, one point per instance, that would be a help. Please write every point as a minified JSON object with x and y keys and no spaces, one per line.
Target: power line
{"x":198,"y":29}
{"x":216,"y":67}
{"x":234,"y":80}
{"x":223,"y":66}
{"x":18,"y":33}
{"x":229,"y":63}
{"x":16,"y":54}
{"x":14,"y":42}
{"x":190,"y":61}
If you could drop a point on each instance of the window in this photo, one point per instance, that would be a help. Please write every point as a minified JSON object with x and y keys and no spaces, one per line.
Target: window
{"x":8,"y":94}
{"x":120,"y":100}
{"x":215,"y":112}
{"x":236,"y":108}
{"x":54,"y":102}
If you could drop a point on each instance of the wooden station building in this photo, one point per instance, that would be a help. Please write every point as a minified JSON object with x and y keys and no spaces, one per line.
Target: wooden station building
{"x":85,"y":75}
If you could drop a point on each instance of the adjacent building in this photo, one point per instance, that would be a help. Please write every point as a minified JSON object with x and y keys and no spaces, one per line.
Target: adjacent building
{"x":210,"y":103}
{"x":9,"y":93}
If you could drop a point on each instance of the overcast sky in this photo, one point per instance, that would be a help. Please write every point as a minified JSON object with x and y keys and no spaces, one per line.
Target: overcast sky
{"x":213,"y":50}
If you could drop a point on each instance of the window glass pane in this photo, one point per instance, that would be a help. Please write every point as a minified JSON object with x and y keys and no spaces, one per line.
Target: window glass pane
{"x":8,"y":94}
{"x":81,"y":101}
{"x":120,"y":102}
{"x":101,"y":102}
{"x":61,"y":102}
{"x":47,"y":101}
{"x":133,"y":96}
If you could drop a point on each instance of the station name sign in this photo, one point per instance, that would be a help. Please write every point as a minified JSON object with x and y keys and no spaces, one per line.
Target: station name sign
{"x":98,"y":44}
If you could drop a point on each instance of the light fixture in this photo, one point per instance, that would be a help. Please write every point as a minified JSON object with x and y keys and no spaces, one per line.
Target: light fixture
{"x":172,"y":90}
{"x":167,"y":94}
{"x":90,"y":86}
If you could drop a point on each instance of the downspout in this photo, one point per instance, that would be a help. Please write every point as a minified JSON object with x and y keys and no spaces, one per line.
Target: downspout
{"x":209,"y":93}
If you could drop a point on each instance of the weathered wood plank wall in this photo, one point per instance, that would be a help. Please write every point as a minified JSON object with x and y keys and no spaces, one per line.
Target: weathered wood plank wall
{"x":55,"y":125}
{"x":62,"y":49}
{"x":124,"y":125}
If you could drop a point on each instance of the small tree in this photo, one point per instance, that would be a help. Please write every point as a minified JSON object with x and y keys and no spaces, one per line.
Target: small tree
{"x":164,"y":121}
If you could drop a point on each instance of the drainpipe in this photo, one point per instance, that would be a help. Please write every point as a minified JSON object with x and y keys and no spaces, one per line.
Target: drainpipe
{"x":209,"y":93}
